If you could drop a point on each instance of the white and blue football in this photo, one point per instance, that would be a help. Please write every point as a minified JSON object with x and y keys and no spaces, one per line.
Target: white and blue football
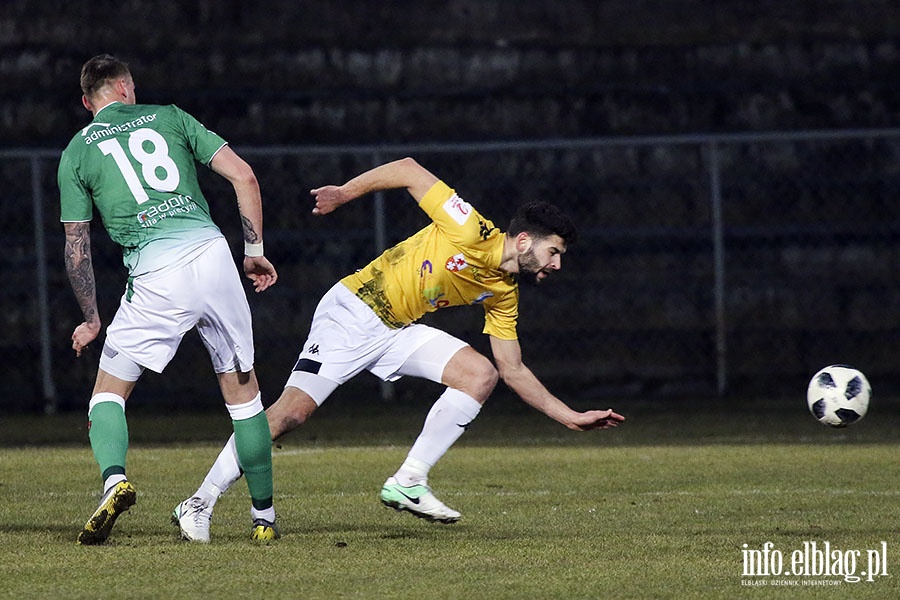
{"x":838,"y":395}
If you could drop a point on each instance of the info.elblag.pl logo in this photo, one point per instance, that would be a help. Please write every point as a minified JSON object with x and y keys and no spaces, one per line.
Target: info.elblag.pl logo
{"x":812,"y":563}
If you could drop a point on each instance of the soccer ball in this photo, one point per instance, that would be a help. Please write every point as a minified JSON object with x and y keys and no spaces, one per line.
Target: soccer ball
{"x":838,"y":395}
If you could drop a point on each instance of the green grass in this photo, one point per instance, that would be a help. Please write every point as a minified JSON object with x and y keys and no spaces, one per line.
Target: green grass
{"x":659,"y":508}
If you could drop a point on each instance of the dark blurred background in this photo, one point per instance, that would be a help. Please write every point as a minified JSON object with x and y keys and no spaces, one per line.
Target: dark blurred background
{"x":733,"y":167}
{"x":365,"y":71}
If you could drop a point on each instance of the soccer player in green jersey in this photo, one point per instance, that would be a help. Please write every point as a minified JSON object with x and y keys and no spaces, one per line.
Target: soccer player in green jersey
{"x":368,"y":322}
{"x":137,"y":165}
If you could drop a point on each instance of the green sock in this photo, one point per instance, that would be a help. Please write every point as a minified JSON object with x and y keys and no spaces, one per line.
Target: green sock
{"x":109,"y":437}
{"x":253,"y":442}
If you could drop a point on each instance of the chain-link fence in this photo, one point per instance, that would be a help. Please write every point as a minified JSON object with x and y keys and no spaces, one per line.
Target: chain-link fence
{"x":706,"y":265}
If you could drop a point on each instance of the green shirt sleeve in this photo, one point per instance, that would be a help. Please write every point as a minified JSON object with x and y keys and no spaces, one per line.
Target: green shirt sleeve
{"x":75,"y":199}
{"x":203,"y":143}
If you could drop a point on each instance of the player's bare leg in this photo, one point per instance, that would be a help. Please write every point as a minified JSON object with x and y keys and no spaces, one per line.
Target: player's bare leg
{"x":470,"y":377}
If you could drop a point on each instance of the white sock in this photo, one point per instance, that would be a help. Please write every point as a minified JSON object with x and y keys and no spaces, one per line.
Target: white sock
{"x":224,"y":472}
{"x":445,"y":423}
{"x":209,"y":493}
{"x":113,"y":480}
{"x":412,"y":472}
{"x":268,"y":514}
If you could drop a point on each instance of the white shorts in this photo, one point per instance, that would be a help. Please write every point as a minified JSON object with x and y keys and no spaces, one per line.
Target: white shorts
{"x":158,"y":308}
{"x":347,"y":337}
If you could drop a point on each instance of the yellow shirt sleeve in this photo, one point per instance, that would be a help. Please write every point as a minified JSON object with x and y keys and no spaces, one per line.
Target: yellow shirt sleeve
{"x":500,"y":317}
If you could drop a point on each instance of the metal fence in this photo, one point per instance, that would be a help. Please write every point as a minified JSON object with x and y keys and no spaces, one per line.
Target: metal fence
{"x":707,"y":265}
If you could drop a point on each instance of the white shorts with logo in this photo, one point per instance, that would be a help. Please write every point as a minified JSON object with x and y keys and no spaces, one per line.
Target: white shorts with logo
{"x":158,"y":308}
{"x":347,"y":337}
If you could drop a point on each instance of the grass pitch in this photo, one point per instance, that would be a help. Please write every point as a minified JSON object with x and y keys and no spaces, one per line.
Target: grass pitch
{"x":659,"y":508}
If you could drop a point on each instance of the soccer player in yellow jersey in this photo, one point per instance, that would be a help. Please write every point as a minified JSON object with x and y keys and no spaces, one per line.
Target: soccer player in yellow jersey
{"x":367,"y":322}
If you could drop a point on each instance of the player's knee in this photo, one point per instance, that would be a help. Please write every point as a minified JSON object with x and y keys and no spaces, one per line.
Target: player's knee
{"x":471,"y":372}
{"x":483,"y":378}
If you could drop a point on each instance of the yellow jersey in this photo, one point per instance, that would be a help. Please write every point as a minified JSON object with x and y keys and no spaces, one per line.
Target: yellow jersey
{"x":451,"y":262}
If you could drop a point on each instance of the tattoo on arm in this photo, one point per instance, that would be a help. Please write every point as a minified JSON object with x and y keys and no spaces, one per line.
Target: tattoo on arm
{"x":251,"y":236}
{"x":80,"y":268}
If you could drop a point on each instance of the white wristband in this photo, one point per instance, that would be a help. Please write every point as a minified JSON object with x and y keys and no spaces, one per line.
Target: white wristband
{"x":253,"y":249}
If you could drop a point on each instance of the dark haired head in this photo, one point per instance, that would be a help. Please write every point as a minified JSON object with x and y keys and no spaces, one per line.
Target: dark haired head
{"x":99,"y":71}
{"x":541,"y":219}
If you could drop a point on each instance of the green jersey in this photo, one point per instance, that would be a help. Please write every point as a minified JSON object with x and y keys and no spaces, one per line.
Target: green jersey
{"x":137,"y":165}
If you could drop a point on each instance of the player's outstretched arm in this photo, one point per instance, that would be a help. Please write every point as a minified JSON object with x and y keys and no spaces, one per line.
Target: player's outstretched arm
{"x":403,"y":173}
{"x":508,"y":358}
{"x":80,"y":269}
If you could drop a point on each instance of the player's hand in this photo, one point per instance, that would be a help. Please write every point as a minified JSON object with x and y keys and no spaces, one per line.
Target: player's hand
{"x":596,"y":419}
{"x":83,"y":335}
{"x":260,"y":271}
{"x":328,"y":198}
